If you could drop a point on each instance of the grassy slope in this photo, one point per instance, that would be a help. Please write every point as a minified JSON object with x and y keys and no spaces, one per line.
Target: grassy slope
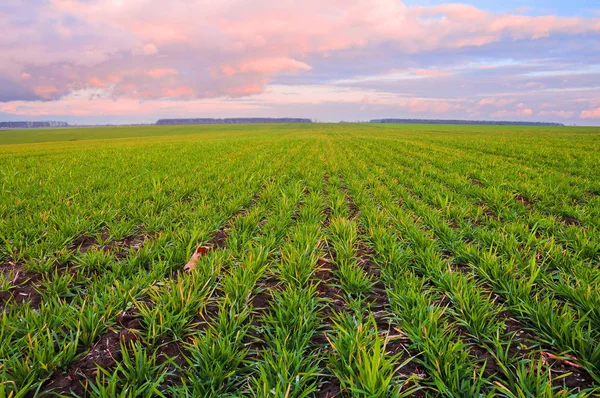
{"x":30,"y":136}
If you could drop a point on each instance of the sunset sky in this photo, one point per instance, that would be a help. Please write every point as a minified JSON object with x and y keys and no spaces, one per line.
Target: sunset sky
{"x":129,"y":61}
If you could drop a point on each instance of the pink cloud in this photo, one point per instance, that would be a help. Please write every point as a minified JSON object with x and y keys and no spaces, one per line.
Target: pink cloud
{"x":234,"y":48}
{"x":161,"y":72}
{"x":432,"y":73}
{"x":78,"y":104}
{"x":497,"y":101}
{"x":559,"y":114}
{"x":487,"y":67}
{"x":248,"y":89}
{"x":149,"y":49}
{"x":266,"y":65}
{"x":163,"y":32}
{"x":534,"y":85}
{"x":95,"y":82}
{"x":590,"y":114}
{"x":46,"y":91}
{"x":128,"y":87}
{"x":177,"y":92}
{"x":278,"y":31}
{"x":459,"y":12}
{"x":522,"y":27}
{"x":424,"y":105}
{"x":525,"y":112}
{"x":521,"y":110}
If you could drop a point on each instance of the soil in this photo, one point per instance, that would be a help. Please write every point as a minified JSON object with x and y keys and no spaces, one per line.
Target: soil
{"x":525,"y":345}
{"x":576,"y":381}
{"x":352,"y":208}
{"x":378,"y":305}
{"x":330,"y":388}
{"x":209,"y":314}
{"x":476,"y":182}
{"x":453,"y":224}
{"x":175,"y":352}
{"x":569,"y":220}
{"x":490,"y":213}
{"x":526,"y":202}
{"x":105,"y":353}
{"x":23,"y":285}
{"x":261,"y":304}
{"x":261,"y":301}
{"x":119,"y":248}
{"x":326,"y":289}
{"x":219,"y":238}
{"x":377,"y":298}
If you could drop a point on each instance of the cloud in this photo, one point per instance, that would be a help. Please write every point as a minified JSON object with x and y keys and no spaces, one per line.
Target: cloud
{"x":149,"y":49}
{"x":162,"y":72}
{"x":249,"y":89}
{"x":559,"y":114}
{"x":264,"y":39}
{"x":47,"y":91}
{"x":534,"y":85}
{"x":497,"y":101}
{"x":266,"y":66}
{"x":418,"y":59}
{"x":78,"y":103}
{"x":590,"y":114}
{"x":95,"y":82}
{"x":427,"y":105}
{"x":432,"y":73}
{"x":179,"y":92}
{"x":521,"y":111}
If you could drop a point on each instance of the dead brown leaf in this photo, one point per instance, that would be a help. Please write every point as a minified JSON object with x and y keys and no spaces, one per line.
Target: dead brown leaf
{"x":199,"y":252}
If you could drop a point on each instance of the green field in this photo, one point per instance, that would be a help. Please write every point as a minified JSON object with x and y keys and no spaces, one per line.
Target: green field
{"x":331,"y":260}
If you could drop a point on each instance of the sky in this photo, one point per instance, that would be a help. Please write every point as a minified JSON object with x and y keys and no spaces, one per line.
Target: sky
{"x":135,"y":61}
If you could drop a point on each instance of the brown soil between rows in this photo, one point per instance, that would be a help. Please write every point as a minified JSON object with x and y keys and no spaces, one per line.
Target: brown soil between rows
{"x":105,"y":353}
{"x":523,"y":341}
{"x":25,"y":284}
{"x":569,"y":221}
{"x":22,"y":286}
{"x":576,"y":381}
{"x":524,"y":200}
{"x":329,"y":386}
{"x":261,"y":304}
{"x":219,"y":238}
{"x":118,"y":248}
{"x":377,"y":304}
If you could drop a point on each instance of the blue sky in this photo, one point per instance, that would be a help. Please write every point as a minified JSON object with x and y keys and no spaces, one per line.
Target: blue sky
{"x":117,"y":61}
{"x":528,"y":7}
